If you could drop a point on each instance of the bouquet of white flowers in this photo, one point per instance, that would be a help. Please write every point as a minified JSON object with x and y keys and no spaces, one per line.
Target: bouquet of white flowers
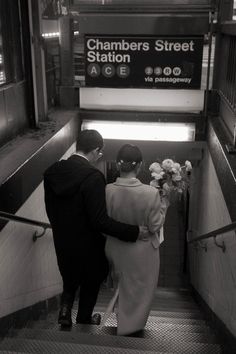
{"x":169,"y":175}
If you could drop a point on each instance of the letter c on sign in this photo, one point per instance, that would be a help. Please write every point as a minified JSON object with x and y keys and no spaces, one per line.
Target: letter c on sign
{"x":108,"y":70}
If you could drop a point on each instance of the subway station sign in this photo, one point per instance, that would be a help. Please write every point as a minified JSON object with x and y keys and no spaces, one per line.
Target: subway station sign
{"x":158,"y":62}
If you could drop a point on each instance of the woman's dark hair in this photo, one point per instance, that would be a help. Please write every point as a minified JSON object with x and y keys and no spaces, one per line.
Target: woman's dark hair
{"x":89,"y":140}
{"x":128,"y":157}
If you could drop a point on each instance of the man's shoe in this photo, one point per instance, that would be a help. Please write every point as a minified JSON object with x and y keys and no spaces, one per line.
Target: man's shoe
{"x":94,"y":320}
{"x":64,"y":317}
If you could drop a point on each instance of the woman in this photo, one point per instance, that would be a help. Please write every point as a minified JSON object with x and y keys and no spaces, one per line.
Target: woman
{"x":136,"y":266}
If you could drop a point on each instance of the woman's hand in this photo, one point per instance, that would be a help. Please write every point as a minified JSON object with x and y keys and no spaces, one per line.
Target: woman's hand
{"x":144,"y":234}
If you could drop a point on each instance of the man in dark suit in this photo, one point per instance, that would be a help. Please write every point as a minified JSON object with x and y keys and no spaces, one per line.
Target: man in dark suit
{"x":76,"y":208}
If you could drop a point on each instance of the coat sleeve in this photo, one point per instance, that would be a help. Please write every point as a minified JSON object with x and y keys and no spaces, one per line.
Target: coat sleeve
{"x":157,"y":213}
{"x":93,"y":191}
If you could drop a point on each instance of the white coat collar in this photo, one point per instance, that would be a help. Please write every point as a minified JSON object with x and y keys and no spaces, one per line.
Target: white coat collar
{"x":132,"y":182}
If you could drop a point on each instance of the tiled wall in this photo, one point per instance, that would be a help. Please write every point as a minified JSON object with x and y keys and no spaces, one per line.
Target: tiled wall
{"x":213,"y":273}
{"x":28,"y":270}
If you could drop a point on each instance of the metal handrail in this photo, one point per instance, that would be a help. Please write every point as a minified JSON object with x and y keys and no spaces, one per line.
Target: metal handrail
{"x":12,"y":217}
{"x":214,"y":233}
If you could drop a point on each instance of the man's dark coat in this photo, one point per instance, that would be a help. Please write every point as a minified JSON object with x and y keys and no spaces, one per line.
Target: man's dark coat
{"x":76,"y":208}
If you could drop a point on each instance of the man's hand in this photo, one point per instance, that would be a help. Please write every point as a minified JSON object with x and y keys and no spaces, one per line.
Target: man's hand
{"x":144,"y":234}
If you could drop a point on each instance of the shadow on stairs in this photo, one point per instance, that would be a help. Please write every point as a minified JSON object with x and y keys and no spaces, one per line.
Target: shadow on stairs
{"x":175,"y":325}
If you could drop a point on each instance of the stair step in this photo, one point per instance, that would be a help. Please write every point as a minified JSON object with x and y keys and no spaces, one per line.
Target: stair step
{"x":34,"y":340}
{"x":172,"y":293}
{"x":158,"y":305}
{"x":179,"y":321}
{"x":10,"y":352}
{"x":163,"y":313}
{"x":174,"y":325}
{"x":178,"y":314}
{"x":188,"y":324}
{"x":24,"y":346}
{"x":152,"y":331}
{"x":175,"y":303}
{"x":163,"y":302}
{"x":160,"y":294}
{"x":156,"y":323}
{"x":164,"y":296}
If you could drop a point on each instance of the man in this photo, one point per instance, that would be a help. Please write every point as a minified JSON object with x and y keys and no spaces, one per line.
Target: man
{"x":76,"y":208}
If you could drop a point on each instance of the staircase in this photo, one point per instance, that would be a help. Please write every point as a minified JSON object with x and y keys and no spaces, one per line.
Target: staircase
{"x":175,"y":325}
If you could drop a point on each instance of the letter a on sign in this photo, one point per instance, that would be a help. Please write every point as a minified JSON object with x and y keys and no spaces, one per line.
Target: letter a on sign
{"x":93,"y":70}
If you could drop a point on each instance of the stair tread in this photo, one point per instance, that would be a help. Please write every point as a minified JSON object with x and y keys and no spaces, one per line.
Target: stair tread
{"x":162,"y":292}
{"x":176,"y":325}
{"x":36,"y":346}
{"x":101,"y":344}
{"x":177,"y":314}
{"x":159,"y":305}
{"x":195,"y":324}
{"x":158,"y":294}
{"x":164,"y":303}
{"x":149,"y":326}
{"x":163,"y":297}
{"x":162,"y":313}
{"x":10,"y":352}
{"x":148,"y":333}
{"x":154,"y":324}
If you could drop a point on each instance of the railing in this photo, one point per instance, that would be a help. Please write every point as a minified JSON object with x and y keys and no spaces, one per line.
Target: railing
{"x":215,"y":233}
{"x":12,"y":217}
{"x":45,"y":226}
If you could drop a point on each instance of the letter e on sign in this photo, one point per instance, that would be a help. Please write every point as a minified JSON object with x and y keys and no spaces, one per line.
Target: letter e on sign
{"x":123,"y":71}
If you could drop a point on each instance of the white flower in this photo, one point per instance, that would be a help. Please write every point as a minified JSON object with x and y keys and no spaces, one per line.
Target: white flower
{"x":157,"y":175}
{"x":176,"y":167}
{"x":188,"y":166}
{"x":169,"y":176}
{"x":155,"y":167}
{"x":176,"y":177}
{"x":167,"y":164}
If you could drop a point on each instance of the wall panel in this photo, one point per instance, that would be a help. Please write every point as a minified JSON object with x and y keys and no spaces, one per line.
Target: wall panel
{"x":3,"y":119}
{"x":213,"y":273}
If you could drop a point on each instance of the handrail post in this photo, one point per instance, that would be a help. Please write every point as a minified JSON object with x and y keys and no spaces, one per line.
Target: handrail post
{"x":214,"y":234}
{"x":222,"y":246}
{"x":203,"y":245}
{"x":36,"y":235}
{"x":20,"y":219}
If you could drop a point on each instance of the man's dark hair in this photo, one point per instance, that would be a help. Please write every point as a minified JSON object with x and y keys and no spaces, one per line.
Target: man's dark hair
{"x":89,"y":140}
